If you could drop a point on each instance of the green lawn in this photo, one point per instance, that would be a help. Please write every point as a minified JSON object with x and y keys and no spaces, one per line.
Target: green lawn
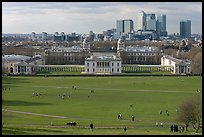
{"x":112,"y":95}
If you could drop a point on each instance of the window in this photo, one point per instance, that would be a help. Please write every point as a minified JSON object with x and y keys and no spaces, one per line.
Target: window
{"x":93,"y":64}
{"x":112,"y":64}
{"x":87,"y":70}
{"x":93,"y":69}
{"x":11,"y":64}
{"x":118,"y":69}
{"x":118,"y":64}
{"x":112,"y":69}
{"x":87,"y":64}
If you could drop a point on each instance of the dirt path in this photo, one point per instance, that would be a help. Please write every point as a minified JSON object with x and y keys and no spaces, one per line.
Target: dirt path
{"x":64,"y":117}
{"x":137,"y":90}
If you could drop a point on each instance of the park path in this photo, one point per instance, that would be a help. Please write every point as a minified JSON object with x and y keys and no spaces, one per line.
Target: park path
{"x":82,"y":88}
{"x":64,"y":117}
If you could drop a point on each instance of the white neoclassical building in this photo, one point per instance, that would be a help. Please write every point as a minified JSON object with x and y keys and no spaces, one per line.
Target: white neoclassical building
{"x":19,"y":64}
{"x":179,"y":66}
{"x":103,"y":64}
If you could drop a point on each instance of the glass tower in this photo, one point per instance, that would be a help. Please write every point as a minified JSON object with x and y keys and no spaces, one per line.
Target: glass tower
{"x":185,"y":29}
{"x":161,"y":25}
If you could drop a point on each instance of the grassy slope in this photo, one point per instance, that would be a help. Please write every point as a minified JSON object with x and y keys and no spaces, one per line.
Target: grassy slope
{"x":103,"y":106}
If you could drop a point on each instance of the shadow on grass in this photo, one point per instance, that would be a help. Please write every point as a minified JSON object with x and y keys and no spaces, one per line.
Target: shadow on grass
{"x":14,"y":80}
{"x":26,"y":131}
{"x":22,"y":103}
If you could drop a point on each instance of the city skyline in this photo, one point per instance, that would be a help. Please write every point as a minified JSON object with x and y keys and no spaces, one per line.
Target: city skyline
{"x":82,"y":17}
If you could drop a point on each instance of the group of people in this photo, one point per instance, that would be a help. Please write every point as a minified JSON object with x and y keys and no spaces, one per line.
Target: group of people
{"x":5,"y":88}
{"x":37,"y":94}
{"x":175,"y":128}
{"x":161,"y":124}
{"x":63,"y":96}
{"x":161,"y":112}
{"x":120,"y":117}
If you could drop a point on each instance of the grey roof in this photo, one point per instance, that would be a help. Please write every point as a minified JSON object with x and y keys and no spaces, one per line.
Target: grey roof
{"x":178,"y":60}
{"x":33,"y":59}
{"x":104,"y":58}
{"x":140,"y":49}
{"x":66,"y":49}
{"x":16,"y":58}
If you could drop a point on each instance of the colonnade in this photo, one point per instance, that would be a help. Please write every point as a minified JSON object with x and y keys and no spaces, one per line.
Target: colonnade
{"x":68,"y":68}
{"x":146,"y":68}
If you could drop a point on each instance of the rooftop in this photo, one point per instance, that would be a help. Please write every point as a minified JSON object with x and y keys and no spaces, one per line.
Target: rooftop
{"x":15,"y":58}
{"x":177,"y":60}
{"x":140,"y":49}
{"x":105,"y":58}
{"x":66,"y":49}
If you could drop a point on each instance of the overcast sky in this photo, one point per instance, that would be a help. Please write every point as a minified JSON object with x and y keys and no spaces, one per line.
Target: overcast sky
{"x":81,"y":17}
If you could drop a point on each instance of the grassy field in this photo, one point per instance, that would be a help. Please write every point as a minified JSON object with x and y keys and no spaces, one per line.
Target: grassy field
{"x":112,"y":95}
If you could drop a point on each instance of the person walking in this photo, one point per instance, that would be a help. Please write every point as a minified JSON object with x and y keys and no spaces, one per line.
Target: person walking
{"x":91,"y":126}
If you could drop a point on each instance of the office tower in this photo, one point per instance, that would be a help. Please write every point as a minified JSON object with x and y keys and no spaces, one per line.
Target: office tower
{"x":56,"y":33}
{"x":185,"y":29}
{"x":119,"y":27}
{"x":161,"y":25}
{"x":44,"y":36}
{"x":33,"y":36}
{"x":63,"y":36}
{"x":128,"y":26}
{"x":150,"y":22}
{"x":123,"y":26}
{"x":141,"y":21}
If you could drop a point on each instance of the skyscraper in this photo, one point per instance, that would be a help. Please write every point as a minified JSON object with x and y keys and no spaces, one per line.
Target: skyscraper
{"x":44,"y":36}
{"x":123,"y":26}
{"x":161,"y":25}
{"x":185,"y":28}
{"x":141,"y":21}
{"x":33,"y":36}
{"x":119,"y":27}
{"x":150,"y":22}
{"x":128,"y":26}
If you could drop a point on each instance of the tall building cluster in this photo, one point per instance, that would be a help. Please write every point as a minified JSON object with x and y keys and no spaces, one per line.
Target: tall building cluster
{"x":150,"y":26}
{"x":152,"y":22}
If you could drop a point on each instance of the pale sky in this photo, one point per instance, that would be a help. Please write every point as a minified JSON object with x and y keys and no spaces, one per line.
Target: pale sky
{"x":81,"y":17}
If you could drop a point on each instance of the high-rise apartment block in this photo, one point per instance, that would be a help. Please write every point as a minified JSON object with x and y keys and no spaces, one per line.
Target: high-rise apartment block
{"x":185,"y":29}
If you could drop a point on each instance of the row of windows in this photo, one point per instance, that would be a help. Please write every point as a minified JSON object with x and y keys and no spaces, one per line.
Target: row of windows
{"x":71,"y":54}
{"x":143,"y":54}
{"x":105,"y":64}
{"x":118,"y":70}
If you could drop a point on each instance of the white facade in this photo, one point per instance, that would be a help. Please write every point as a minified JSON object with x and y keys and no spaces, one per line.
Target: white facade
{"x":19,"y":64}
{"x":179,"y":66}
{"x":103,"y":65}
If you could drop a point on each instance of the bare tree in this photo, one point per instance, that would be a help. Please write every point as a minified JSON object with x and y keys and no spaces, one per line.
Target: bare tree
{"x":190,"y":112}
{"x":197,"y":63}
